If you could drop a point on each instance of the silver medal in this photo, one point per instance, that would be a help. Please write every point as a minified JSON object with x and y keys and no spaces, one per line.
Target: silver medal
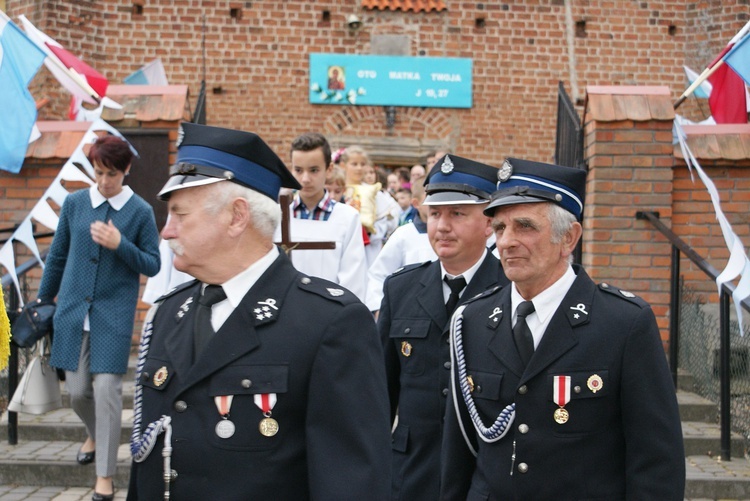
{"x":224,"y":428}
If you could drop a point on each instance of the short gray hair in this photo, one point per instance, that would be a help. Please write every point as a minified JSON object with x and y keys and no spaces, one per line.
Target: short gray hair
{"x":561,"y":220}
{"x":265,"y":213}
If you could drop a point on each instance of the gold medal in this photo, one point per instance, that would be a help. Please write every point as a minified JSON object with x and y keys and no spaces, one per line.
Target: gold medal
{"x":268,"y":427}
{"x":561,"y":416}
{"x":160,"y":376}
{"x":595,"y":383}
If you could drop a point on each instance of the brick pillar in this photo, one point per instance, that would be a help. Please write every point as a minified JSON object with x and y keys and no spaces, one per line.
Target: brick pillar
{"x":628,"y":148}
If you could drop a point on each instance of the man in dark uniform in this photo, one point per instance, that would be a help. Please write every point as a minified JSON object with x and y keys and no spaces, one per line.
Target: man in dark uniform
{"x":562,"y":390}
{"x":255,"y":381}
{"x":414,"y":313}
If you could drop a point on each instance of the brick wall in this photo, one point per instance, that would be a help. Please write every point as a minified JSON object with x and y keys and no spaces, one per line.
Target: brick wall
{"x":257,"y":63}
{"x":634,"y":166}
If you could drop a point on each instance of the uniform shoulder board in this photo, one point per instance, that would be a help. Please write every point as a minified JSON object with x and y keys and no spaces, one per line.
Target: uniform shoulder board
{"x":177,"y":289}
{"x":623,"y":294}
{"x":410,"y":267}
{"x":327,"y":289}
{"x":488,"y":292}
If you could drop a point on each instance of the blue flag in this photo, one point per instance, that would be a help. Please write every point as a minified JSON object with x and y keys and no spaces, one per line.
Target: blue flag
{"x":739,"y":59}
{"x":20,"y":59}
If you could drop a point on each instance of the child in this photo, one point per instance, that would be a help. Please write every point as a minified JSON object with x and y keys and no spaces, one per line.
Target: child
{"x":318,"y":217}
{"x":378,"y":211}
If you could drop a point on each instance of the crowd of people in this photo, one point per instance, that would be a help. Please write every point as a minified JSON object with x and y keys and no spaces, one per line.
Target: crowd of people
{"x":445,"y":347}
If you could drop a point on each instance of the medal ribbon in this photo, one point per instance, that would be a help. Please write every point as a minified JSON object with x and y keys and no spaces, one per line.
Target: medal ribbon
{"x":265,"y":402}
{"x":561,"y":390}
{"x":223,"y":404}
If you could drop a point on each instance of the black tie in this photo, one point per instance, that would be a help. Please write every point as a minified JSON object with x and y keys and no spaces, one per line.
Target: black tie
{"x":521,"y":332}
{"x":456,"y":285}
{"x":212,"y":294}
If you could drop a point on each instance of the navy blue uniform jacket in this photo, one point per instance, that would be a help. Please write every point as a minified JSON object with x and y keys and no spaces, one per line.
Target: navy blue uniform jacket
{"x":413,"y":327}
{"x":622,"y":441}
{"x":317,"y":349}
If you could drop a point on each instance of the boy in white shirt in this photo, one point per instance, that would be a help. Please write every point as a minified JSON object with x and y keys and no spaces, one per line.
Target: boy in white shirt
{"x":316,"y":216}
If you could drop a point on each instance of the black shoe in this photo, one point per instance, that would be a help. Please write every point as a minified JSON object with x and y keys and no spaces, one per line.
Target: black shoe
{"x":85,"y":457}
{"x":103,"y":497}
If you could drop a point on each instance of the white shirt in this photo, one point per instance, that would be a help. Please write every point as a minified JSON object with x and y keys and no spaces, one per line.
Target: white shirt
{"x":345,"y":265}
{"x":546,"y":304}
{"x":237,"y":287}
{"x":468,"y":275}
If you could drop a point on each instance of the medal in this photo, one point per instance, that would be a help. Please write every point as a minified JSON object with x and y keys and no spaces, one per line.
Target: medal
{"x":161,"y":376}
{"x":224,"y":428}
{"x":561,"y":415}
{"x":561,"y":396}
{"x":406,"y":348}
{"x":268,"y":426}
{"x":595,"y":383}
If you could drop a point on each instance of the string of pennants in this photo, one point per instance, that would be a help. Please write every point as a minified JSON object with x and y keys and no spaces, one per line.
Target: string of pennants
{"x":738,"y":264}
{"x":42,"y":211}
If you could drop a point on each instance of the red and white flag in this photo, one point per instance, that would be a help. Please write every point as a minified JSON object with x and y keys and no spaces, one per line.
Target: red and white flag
{"x":728,"y":98}
{"x":81,"y":80}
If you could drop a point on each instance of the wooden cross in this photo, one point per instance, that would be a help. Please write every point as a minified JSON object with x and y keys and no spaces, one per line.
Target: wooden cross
{"x":286,"y":241}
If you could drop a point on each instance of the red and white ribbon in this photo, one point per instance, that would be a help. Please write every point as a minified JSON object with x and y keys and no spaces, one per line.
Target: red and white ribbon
{"x":561,"y":390}
{"x":223,"y":404}
{"x":265,"y":402}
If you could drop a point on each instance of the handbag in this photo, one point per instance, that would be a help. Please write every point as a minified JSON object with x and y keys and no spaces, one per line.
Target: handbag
{"x":39,"y":389}
{"x":34,"y":321}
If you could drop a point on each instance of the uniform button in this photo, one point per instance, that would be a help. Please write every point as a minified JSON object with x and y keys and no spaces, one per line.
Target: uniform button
{"x":577,"y":389}
{"x":445,"y":392}
{"x":145,"y":376}
{"x":246,"y":383}
{"x":94,"y":260}
{"x":523,"y":428}
{"x":407,"y":330}
{"x":305,"y":280}
{"x":523,"y":467}
{"x":180,"y":406}
{"x":523,"y":389}
{"x":447,"y":365}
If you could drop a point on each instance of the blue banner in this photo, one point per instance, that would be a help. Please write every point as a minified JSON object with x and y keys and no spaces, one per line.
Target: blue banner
{"x":425,"y":82}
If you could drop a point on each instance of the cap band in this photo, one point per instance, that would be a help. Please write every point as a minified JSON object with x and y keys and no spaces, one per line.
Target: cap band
{"x":546,"y":190}
{"x":215,"y":163}
{"x":461,"y":182}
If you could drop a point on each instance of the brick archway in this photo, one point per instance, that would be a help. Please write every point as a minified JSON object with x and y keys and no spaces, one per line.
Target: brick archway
{"x":416,"y":132}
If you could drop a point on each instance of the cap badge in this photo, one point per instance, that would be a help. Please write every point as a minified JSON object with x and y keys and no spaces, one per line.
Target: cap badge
{"x":447,"y":165}
{"x":505,"y":171}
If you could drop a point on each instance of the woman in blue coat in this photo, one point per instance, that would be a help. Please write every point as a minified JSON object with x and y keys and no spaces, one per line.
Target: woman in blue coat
{"x":105,"y":239}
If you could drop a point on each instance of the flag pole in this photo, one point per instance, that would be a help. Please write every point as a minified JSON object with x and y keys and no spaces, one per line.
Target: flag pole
{"x":701,"y":78}
{"x":715,"y":65}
